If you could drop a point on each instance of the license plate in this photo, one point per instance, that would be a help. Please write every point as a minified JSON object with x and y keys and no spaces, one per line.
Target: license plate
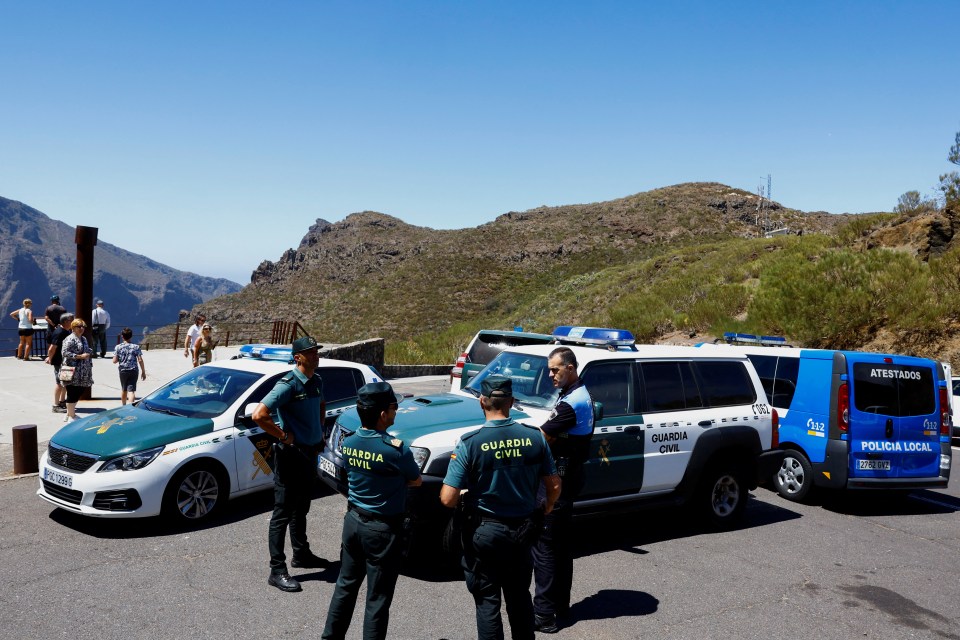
{"x":873,"y":465}
{"x":56,"y":477}
{"x":328,"y":467}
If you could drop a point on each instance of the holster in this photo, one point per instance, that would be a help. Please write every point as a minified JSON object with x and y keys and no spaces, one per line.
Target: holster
{"x":532,"y":527}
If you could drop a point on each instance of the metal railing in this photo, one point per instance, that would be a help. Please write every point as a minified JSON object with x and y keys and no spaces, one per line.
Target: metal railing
{"x":172,"y":336}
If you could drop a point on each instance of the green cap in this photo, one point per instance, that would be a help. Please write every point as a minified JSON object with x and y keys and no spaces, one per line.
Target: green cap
{"x":305,"y":342}
{"x":377,"y":395}
{"x":497,"y":387}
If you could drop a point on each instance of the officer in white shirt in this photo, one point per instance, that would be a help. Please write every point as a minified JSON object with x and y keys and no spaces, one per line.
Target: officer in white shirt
{"x":99,"y":323}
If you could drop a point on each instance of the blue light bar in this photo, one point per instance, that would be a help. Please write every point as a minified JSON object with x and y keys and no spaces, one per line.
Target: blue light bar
{"x":594,"y":336}
{"x":281,"y":353}
{"x":748,"y":338}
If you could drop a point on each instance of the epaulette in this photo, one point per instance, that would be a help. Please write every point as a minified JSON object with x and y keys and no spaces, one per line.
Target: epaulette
{"x":528,"y":426}
{"x":288,"y":377}
{"x":396,"y":443}
{"x":467,"y":436}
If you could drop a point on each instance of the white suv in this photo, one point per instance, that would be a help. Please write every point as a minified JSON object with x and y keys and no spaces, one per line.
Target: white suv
{"x":677,"y":424}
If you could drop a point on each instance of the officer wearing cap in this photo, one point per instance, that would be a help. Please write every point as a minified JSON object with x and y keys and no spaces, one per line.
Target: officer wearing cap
{"x":379,"y":470}
{"x":297,"y":399}
{"x":501,"y":465}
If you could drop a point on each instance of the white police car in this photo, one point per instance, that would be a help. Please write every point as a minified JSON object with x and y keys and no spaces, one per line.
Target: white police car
{"x":677,"y":424}
{"x":188,"y":446}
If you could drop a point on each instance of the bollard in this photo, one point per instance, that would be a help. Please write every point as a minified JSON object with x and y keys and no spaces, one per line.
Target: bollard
{"x":25,"y":449}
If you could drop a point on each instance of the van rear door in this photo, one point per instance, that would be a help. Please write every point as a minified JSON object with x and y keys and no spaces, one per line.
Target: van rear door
{"x":894,"y":419}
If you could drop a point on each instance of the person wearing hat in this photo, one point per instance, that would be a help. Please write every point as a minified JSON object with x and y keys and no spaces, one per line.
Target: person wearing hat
{"x":379,"y":470}
{"x":501,"y":465}
{"x":52,"y":315}
{"x":99,"y":323}
{"x":297,"y":400}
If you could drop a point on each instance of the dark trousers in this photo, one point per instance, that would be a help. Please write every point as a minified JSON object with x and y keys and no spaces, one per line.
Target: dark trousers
{"x":553,"y":551}
{"x":369,"y":548}
{"x":494,"y":562}
{"x":294,"y":473}
{"x":100,"y":338}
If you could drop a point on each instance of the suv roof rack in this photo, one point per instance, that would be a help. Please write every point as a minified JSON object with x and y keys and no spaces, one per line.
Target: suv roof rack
{"x":731,"y":337}
{"x":612,"y":339}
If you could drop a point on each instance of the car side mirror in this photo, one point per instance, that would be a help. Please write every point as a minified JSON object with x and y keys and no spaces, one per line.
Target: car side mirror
{"x":597,"y":411}
{"x":248,"y":410}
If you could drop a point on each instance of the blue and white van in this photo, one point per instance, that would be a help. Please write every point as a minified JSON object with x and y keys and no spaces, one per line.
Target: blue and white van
{"x":851,"y":419}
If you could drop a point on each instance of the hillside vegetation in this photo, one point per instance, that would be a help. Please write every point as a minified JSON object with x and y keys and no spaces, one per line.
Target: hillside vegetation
{"x":682,"y":259}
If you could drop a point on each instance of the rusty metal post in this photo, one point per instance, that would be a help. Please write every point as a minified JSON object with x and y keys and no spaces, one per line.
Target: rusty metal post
{"x":25,"y":449}
{"x":176,"y":337}
{"x":86,"y":240}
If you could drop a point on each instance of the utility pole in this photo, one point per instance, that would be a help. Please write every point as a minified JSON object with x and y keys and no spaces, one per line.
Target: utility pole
{"x":86,"y":240}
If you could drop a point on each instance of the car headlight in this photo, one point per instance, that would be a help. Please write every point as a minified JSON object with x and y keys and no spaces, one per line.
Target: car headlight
{"x":137,"y":460}
{"x":420,"y":455}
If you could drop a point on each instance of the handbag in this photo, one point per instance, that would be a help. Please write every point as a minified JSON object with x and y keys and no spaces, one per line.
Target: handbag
{"x":66,"y":373}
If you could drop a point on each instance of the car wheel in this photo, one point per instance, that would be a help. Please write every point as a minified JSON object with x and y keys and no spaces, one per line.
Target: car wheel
{"x":723,"y":496}
{"x":795,"y":477}
{"x":194,"y":493}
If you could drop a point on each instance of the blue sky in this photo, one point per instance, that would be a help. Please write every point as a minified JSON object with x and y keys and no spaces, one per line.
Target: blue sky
{"x":210,"y":135}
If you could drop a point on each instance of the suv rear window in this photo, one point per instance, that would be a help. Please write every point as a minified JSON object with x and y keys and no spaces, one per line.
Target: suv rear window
{"x":894,"y":390}
{"x":487,"y":345}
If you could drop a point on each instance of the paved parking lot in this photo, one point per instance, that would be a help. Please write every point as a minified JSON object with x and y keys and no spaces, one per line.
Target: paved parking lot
{"x":842,"y":568}
{"x":846,"y":566}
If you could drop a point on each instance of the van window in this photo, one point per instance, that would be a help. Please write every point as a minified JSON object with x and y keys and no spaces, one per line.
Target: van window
{"x":725,"y":384}
{"x":766,"y":367}
{"x":785,"y":382}
{"x":778,"y":375}
{"x":893,"y":390}
{"x":614,"y":384}
{"x":669,"y":386}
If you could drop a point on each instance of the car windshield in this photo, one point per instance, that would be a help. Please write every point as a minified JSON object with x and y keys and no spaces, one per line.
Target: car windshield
{"x":204,"y":392}
{"x":531,"y":380}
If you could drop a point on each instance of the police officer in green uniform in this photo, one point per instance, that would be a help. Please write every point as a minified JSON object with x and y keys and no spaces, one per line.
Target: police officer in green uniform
{"x":501,"y":465}
{"x":379,"y":470}
{"x":297,"y":399}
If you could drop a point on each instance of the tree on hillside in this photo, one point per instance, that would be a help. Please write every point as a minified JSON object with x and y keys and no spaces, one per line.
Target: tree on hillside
{"x":912,"y":202}
{"x":950,"y":182}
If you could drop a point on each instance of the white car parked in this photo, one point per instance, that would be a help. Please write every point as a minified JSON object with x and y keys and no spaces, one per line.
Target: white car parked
{"x":185,"y":448}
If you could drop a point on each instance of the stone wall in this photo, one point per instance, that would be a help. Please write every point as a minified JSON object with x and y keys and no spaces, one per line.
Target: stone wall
{"x":371,"y":352}
{"x":368,"y":352}
{"x":413,"y":370}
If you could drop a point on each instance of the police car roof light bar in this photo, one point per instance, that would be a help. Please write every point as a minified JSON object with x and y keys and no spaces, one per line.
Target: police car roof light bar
{"x":732,"y":337}
{"x":595,"y":336}
{"x":280,"y":353}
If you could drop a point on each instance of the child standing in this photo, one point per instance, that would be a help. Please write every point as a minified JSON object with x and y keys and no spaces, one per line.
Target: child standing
{"x":129,"y":356}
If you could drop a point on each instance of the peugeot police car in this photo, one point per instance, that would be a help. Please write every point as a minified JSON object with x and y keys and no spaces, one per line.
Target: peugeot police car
{"x":851,"y":419}
{"x":674,"y":424}
{"x":188,"y":446}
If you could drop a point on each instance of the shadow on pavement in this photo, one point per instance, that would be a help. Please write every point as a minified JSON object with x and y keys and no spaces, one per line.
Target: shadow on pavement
{"x":628,"y":531}
{"x":888,"y":503}
{"x":614,"y":603}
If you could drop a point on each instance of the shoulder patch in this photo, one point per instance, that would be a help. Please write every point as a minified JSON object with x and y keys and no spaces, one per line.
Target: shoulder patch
{"x":395,"y":442}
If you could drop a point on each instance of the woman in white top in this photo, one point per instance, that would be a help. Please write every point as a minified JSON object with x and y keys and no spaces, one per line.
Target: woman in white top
{"x":25,"y":317}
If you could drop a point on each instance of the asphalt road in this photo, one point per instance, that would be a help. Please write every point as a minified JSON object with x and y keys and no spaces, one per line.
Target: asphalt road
{"x":847,"y":566}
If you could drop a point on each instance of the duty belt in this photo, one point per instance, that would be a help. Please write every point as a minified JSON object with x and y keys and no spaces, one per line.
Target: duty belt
{"x":367,"y":516}
{"x":513,"y":522}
